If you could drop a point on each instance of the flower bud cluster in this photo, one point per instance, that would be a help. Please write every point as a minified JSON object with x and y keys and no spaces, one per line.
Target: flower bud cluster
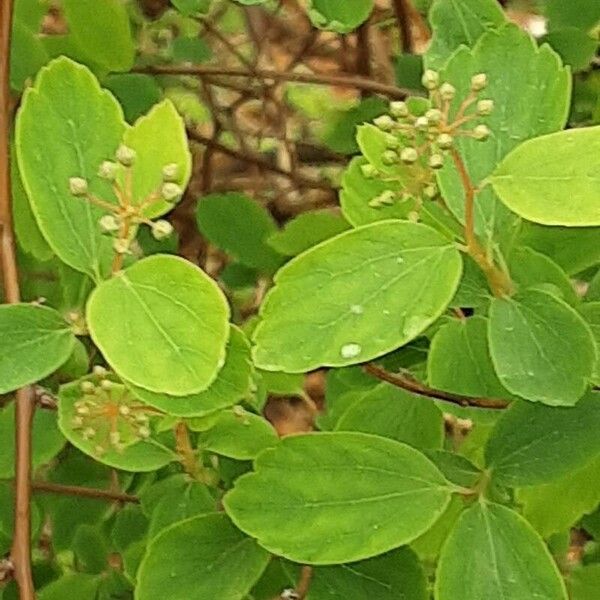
{"x":107,"y":416}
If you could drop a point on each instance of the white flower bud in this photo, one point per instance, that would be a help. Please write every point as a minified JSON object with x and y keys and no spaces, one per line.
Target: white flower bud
{"x":89,"y":433}
{"x":409,"y":155}
{"x":447,"y":91}
{"x":430,"y":79}
{"x":422,"y":123}
{"x":99,"y":370}
{"x":100,"y":450}
{"x":121,"y":246}
{"x":161,"y":229}
{"x":144,"y":432}
{"x":399,"y":109}
{"x":391,"y":141}
{"x":82,"y":410}
{"x":108,"y":170}
{"x":431,"y":191}
{"x":413,"y":216}
{"x":109,"y":224}
{"x":107,"y":384}
{"x":436,"y":161}
{"x":384,"y":122}
{"x":369,"y":171}
{"x":479,"y":82}
{"x":124,"y":410}
{"x":78,"y":186}
{"x":389,"y":157}
{"x":126,"y":155}
{"x":481,"y":132}
{"x":386,"y":198}
{"x":170,"y":172}
{"x":171,"y":192}
{"x":434,"y":115}
{"x":444,"y":141}
{"x":485,"y":108}
{"x":87,"y":387}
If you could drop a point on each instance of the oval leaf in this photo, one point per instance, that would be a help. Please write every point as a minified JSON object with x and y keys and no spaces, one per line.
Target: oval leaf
{"x":36,"y":341}
{"x":506,"y":559}
{"x":202,"y":557}
{"x":161,"y":324}
{"x":356,"y":296}
{"x":337,"y":497}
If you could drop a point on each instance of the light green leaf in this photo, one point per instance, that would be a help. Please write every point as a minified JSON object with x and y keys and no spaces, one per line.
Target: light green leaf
{"x":541,"y":348}
{"x":101,"y":32}
{"x":232,"y":384}
{"x":371,"y":293}
{"x":392,"y":576}
{"x":83,"y":125}
{"x":505,"y":559}
{"x":337,"y":497}
{"x":557,"y":506}
{"x":104,"y":418}
{"x":533,"y":444}
{"x":554,"y":179}
{"x":341,"y":17}
{"x":238,"y":434}
{"x":162,"y":324}
{"x":459,"y":22}
{"x":585,"y":582}
{"x":240,"y":227}
{"x":531,"y":99}
{"x":459,"y":360}
{"x":307,"y":230}
{"x":202,"y":557}
{"x":47,"y":440}
{"x":36,"y":340}
{"x":390,"y":412}
{"x":591,"y":313}
{"x":159,"y":139}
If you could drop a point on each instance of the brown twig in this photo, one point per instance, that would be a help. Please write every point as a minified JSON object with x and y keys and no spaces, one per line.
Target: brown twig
{"x":303,"y":587}
{"x":84,"y":492}
{"x":21,"y":545}
{"x":348,"y":81}
{"x":402,"y":11}
{"x":363,"y":52}
{"x":411,"y":385}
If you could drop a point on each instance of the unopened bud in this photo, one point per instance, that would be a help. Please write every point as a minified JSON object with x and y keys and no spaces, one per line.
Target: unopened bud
{"x":76,"y":422}
{"x":481,"y":132}
{"x":114,"y":437}
{"x":171,"y":192}
{"x":144,"y":432}
{"x":431,"y":191}
{"x":124,"y":410}
{"x":170,"y":172}
{"x":436,"y":161}
{"x":126,"y":155}
{"x":121,"y":246}
{"x":87,"y":387}
{"x":99,"y":370}
{"x":108,"y":170}
{"x":485,"y":107}
{"x":430,"y":79}
{"x":444,"y":141}
{"x":409,"y":155}
{"x":434,"y":115}
{"x":369,"y":171}
{"x":384,"y":122}
{"x":413,"y":216}
{"x":78,"y":186}
{"x":109,"y":224}
{"x":82,"y":410}
{"x":479,"y":82}
{"x":389,"y":157}
{"x":100,"y":450}
{"x":89,"y":433}
{"x":447,"y":91}
{"x":106,"y":384}
{"x":161,"y":229}
{"x":422,"y":123}
{"x":391,"y":141}
{"x":386,"y":198}
{"x":399,"y":109}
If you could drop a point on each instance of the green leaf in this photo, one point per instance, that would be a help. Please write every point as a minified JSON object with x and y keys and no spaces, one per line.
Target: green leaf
{"x":191,"y":50}
{"x":159,"y":139}
{"x":575,"y":47}
{"x":576,"y":13}
{"x":36,"y":341}
{"x":28,"y":54}
{"x":585,"y":582}
{"x":238,"y":434}
{"x":557,"y":506}
{"x":541,"y":348}
{"x":372,"y":293}
{"x":101,"y":33}
{"x":553,"y":179}
{"x":505,"y":559}
{"x":232,"y":384}
{"x":533,"y":444}
{"x":136,"y":92}
{"x":91,"y":549}
{"x":459,"y":360}
{"x":130,"y":526}
{"x":189,"y":8}
{"x":358,"y":191}
{"x":202,"y":557}
{"x":392,"y":576}
{"x":240,"y":227}
{"x":341,"y":17}
{"x":532,"y":99}
{"x":83,"y":125}
{"x":591,"y":313}
{"x":455,"y":468}
{"x":390,"y":412}
{"x":459,"y":22}
{"x":134,"y":453}
{"x":82,"y":586}
{"x":337,"y":497}
{"x":162,"y":324}
{"x":307,"y":230}
{"x":47,"y":439}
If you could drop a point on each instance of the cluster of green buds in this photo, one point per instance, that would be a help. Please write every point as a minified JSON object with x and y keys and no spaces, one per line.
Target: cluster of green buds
{"x":107,"y":414}
{"x":420,"y":134}
{"x":125,"y":215}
